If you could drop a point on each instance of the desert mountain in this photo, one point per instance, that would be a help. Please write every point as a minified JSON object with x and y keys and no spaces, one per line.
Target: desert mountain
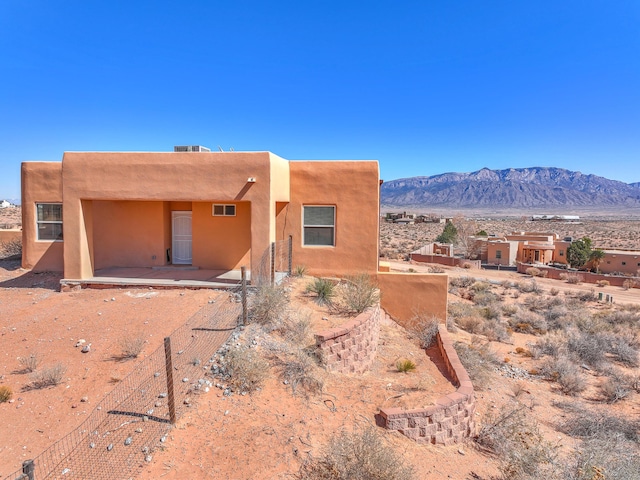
{"x":535,"y":187}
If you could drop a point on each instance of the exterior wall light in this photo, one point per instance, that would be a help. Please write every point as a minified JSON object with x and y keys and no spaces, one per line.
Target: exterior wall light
{"x":251,"y":180}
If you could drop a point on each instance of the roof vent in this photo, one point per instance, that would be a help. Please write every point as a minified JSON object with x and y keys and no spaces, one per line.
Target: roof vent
{"x":190,"y":148}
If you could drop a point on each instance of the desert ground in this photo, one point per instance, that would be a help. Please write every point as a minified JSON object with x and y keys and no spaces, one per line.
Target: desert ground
{"x":511,"y":333}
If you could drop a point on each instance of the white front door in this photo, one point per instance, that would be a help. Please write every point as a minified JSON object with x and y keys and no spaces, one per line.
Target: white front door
{"x":181,"y":238}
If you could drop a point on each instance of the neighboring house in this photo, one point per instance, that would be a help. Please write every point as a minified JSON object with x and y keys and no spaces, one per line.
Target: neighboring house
{"x":5,"y":204}
{"x":434,"y":248}
{"x":626,"y":262}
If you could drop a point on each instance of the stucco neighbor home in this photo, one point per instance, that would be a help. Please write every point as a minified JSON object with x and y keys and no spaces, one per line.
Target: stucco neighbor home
{"x":212,"y":210}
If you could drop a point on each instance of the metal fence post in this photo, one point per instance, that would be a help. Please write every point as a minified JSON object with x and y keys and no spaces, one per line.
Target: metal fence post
{"x":290,"y":254}
{"x":245,"y":313}
{"x":28,"y":470}
{"x":169,"y":366}
{"x":273,"y":263}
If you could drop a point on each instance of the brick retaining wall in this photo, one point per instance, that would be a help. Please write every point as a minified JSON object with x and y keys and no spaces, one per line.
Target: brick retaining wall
{"x":585,"y":277}
{"x":452,"y":417}
{"x":351,"y":347}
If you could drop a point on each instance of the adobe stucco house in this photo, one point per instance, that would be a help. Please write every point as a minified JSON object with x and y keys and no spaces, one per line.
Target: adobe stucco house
{"x":214,"y":211}
{"x":211,"y":210}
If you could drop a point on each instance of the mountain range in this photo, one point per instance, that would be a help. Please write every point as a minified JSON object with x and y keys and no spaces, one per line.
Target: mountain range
{"x":535,"y":187}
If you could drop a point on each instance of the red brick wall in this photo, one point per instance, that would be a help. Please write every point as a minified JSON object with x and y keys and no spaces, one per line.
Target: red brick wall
{"x":451,"y":418}
{"x":351,"y":347}
{"x":442,"y":260}
{"x":586,"y":277}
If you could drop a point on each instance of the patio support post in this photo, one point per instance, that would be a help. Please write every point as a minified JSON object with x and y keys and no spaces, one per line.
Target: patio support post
{"x":290,"y":254}
{"x":169,"y":367}
{"x":273,"y":263}
{"x":245,"y":313}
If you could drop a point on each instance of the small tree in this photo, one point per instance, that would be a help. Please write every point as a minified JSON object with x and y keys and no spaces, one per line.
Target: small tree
{"x":596,"y":258}
{"x":579,"y":252}
{"x":449,"y":234}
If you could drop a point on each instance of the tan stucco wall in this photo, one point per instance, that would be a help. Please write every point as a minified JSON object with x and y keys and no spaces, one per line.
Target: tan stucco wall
{"x":406,"y":294}
{"x":164,"y":176}
{"x":45,"y":186}
{"x":10,"y":235}
{"x":613,"y":262}
{"x":353,"y":186}
{"x":221,"y":242}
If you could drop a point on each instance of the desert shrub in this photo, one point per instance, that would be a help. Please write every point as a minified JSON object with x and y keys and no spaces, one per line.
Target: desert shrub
{"x":554,"y":292}
{"x":573,"y":278}
{"x":471,"y":324}
{"x":269,"y":305}
{"x":299,"y":270}
{"x":625,"y":352}
{"x":425,"y":329}
{"x":358,"y":455}
{"x":495,"y":330}
{"x":528,"y":287}
{"x":131,"y":346}
{"x":459,"y":309}
{"x":5,"y":393}
{"x":359,"y":293}
{"x":48,"y":377}
{"x":520,"y":447}
{"x":614,"y":389}
{"x":467,"y":265}
{"x":323,"y":288}
{"x":296,"y":328}
{"x":434,"y":269}
{"x":608,"y":458}
{"x":554,"y":317}
{"x":509,"y":309}
{"x":589,"y":348}
{"x":300,"y":371}
{"x":525,"y":321}
{"x":11,"y":248}
{"x":525,"y":352}
{"x":603,"y":283}
{"x":581,"y":422}
{"x":30,"y":363}
{"x":536,"y":272}
{"x":246,"y":368}
{"x":480,"y":286}
{"x":566,"y":373}
{"x":404,"y":365}
{"x":629,"y":283}
{"x":479,"y":361}
{"x":461,"y":282}
{"x":548,"y":345}
{"x":486,"y":298}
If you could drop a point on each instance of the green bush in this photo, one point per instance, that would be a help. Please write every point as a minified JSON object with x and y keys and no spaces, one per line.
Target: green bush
{"x":323,"y":289}
{"x":359,"y":293}
{"x":405,"y":365}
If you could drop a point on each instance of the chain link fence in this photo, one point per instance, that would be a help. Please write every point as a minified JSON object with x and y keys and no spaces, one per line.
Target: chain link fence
{"x":125,"y":428}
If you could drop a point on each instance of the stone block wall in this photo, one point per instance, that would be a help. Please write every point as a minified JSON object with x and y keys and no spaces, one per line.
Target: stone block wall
{"x":351,"y":347}
{"x":451,"y":419}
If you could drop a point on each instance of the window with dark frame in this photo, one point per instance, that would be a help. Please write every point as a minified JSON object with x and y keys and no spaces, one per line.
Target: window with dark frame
{"x":498,"y":253}
{"x":49,"y":221}
{"x":221,"y":210}
{"x":319,"y":225}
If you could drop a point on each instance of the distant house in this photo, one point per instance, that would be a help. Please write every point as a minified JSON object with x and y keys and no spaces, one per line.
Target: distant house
{"x":556,"y":218}
{"x":5,"y":204}
{"x":626,"y":262}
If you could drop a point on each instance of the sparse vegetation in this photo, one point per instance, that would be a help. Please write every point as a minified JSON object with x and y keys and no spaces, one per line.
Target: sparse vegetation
{"x":11,"y":248}
{"x":5,"y":393}
{"x":426,"y":329}
{"x":131,"y":347}
{"x":359,"y":455}
{"x":323,"y":288}
{"x":299,"y":270}
{"x":269,"y":305}
{"x":358,"y":293}
{"x":404,"y":365}
{"x":30,"y":364}
{"x":246,"y":368}
{"x":48,"y":377}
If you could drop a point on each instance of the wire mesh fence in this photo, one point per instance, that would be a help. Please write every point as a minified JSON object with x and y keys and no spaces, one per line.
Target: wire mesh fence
{"x":274,"y":264}
{"x":124,"y":429}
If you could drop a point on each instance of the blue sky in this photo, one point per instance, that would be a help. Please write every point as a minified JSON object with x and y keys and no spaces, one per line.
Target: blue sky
{"x":425,"y":87}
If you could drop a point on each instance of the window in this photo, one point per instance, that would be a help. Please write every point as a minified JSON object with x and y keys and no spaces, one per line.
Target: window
{"x":319,"y":225}
{"x":224,"y":210}
{"x":561,"y":253}
{"x":498,"y":253}
{"x":49,"y":221}
{"x":624,"y":263}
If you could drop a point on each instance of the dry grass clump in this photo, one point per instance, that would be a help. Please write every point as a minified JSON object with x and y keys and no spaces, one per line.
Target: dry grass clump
{"x":404,"y":365}
{"x":246,"y":369}
{"x":30,"y":364}
{"x":425,"y":329}
{"x":300,"y":371}
{"x":269,"y":305}
{"x":564,"y":371}
{"x":48,"y":377}
{"x":536,"y":272}
{"x":525,"y":321}
{"x":603,"y":283}
{"x":5,"y":393}
{"x":479,"y":361}
{"x":11,"y":248}
{"x":359,"y":455}
{"x":323,"y":288}
{"x":516,"y":440}
{"x":529,"y":287}
{"x":131,"y":347}
{"x":358,"y":293}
